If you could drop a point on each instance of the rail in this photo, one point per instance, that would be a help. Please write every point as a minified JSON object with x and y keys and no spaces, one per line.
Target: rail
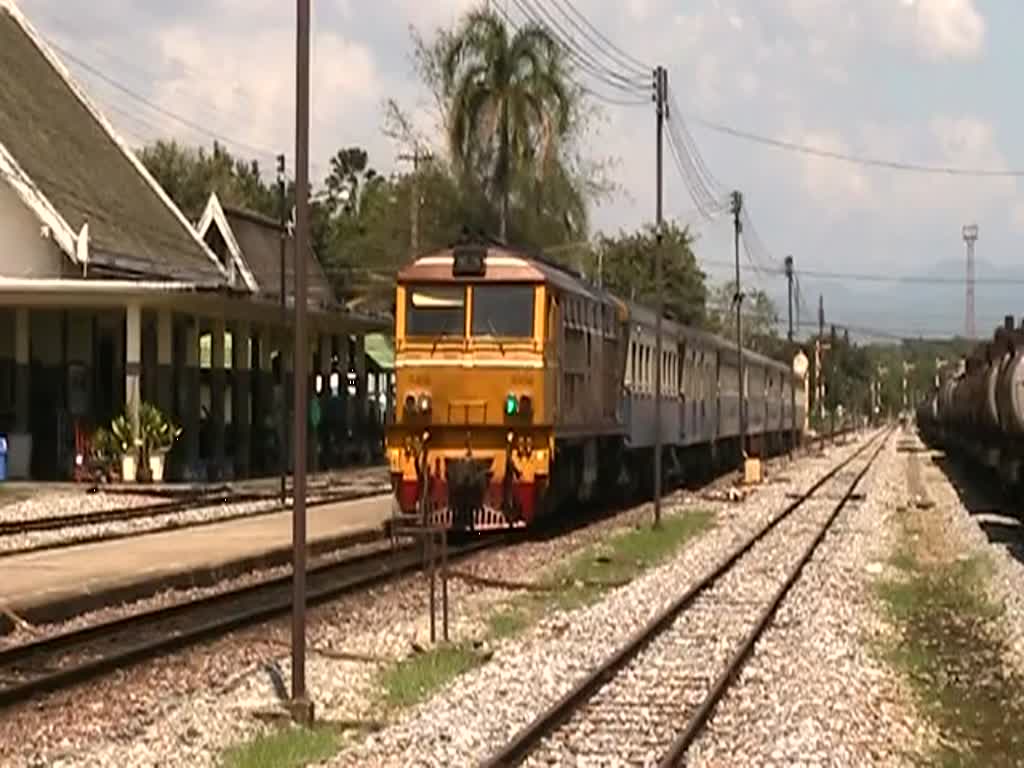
{"x":43,"y":665}
{"x":548,"y":722}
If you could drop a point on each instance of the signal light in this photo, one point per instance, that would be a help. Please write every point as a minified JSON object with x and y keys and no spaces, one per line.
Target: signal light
{"x":511,"y":405}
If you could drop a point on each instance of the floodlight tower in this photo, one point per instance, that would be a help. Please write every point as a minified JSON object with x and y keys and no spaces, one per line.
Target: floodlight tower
{"x":970,"y":235}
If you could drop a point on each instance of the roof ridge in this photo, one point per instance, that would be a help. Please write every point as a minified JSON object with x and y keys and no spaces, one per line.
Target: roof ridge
{"x":58,"y":66}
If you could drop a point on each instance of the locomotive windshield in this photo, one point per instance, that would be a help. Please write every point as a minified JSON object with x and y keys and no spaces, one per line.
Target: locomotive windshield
{"x":437,"y":310}
{"x":504,"y":311}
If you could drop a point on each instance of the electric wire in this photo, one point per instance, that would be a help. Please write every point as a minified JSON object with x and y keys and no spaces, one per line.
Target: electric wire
{"x":583,"y":61}
{"x":534,"y":10}
{"x":862,"y":160}
{"x":626,"y":59}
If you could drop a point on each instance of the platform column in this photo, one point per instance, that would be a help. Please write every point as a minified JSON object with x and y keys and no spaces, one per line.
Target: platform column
{"x":241,"y":357}
{"x":165,"y":361}
{"x":133,"y":363}
{"x":217,"y":389}
{"x":190,"y":417}
{"x":267,"y":425}
{"x":285,"y":406}
{"x":323,"y":431}
{"x":361,"y":404}
{"x":22,"y":369}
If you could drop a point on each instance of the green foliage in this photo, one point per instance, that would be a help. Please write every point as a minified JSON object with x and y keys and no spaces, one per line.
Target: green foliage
{"x":951,"y":651}
{"x":190,"y":174}
{"x":625,"y":265}
{"x":417,"y":677}
{"x":124,"y":433}
{"x":508,"y":102}
{"x":290,"y":747}
{"x":156,"y":433}
{"x":105,"y":450}
{"x":760,"y":318}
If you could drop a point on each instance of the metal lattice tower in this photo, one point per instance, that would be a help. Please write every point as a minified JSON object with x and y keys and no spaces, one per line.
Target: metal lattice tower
{"x":970,"y":234}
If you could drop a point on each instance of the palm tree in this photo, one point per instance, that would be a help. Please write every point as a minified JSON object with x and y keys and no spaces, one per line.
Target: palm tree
{"x":508,"y":101}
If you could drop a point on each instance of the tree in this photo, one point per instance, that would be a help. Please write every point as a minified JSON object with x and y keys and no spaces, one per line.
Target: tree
{"x":624,"y":264}
{"x":760,"y":319}
{"x":508,"y":100}
{"x":344,"y":182}
{"x":189,"y":175}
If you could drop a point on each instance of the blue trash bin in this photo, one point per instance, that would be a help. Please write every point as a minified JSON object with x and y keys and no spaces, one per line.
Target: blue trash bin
{"x":3,"y":458}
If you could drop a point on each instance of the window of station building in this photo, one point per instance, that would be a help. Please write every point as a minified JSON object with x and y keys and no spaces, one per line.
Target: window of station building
{"x":504,"y":311}
{"x":435,"y":310}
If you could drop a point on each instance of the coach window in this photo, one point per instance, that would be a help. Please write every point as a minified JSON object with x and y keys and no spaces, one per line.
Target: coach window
{"x":435,"y":310}
{"x":505,"y":311}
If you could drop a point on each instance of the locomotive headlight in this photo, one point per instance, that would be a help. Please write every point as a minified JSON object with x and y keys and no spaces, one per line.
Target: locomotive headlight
{"x":424,"y":403}
{"x":410,"y":404}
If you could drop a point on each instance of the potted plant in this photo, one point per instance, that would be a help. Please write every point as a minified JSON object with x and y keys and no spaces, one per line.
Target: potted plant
{"x":127,"y":442}
{"x":105,"y":450}
{"x":156,"y":436}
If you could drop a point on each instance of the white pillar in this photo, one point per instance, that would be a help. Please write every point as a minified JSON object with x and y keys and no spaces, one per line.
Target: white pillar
{"x":133,"y":362}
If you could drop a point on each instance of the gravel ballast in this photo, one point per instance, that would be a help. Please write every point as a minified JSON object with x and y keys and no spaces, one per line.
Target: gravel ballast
{"x":814,"y":692}
{"x":186,"y":709}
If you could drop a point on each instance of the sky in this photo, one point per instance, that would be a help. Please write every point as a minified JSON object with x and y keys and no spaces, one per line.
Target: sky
{"x":926,"y":82}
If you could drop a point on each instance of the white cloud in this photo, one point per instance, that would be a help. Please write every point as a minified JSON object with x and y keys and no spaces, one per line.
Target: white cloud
{"x":948,"y":28}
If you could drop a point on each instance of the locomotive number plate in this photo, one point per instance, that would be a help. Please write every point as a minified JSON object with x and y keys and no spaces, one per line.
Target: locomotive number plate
{"x":522,"y":378}
{"x":419,"y":379}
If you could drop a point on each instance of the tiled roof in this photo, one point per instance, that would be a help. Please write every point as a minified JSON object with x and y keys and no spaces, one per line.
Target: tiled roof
{"x":73,"y":159}
{"x":259,"y":239}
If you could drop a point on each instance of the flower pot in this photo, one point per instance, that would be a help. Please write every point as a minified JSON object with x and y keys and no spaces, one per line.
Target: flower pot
{"x":156,"y":467}
{"x":128,"y":468}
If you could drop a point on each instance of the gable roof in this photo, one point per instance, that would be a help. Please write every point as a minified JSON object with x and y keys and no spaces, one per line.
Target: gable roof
{"x":214,"y":214}
{"x":65,"y":161}
{"x":254,"y":243}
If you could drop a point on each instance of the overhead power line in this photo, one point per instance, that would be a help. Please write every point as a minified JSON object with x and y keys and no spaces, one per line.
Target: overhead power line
{"x":629,"y":89}
{"x":878,"y":277}
{"x":261,"y":151}
{"x":603,"y":43}
{"x":894,"y":165}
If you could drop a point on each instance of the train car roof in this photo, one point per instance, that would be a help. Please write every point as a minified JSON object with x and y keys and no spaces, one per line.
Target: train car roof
{"x":501,"y":264}
{"x":641,"y":314}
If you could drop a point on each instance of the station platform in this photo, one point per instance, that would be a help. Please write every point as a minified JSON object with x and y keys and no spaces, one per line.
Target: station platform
{"x":333,"y":479}
{"x":53,"y":585}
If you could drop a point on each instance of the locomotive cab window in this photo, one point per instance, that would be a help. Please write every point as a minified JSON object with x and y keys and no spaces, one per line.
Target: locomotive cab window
{"x":436,"y":310}
{"x":504,"y":311}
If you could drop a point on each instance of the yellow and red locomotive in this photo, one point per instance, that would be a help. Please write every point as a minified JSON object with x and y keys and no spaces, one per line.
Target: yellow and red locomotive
{"x":521,"y":386}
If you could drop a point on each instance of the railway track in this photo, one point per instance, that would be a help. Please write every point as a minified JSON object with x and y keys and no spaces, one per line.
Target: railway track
{"x":71,"y":522}
{"x":71,"y":658}
{"x":680,"y":664}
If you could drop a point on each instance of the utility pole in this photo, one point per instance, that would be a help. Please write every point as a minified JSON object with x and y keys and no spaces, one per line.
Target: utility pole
{"x":660,"y":97}
{"x":415,"y":157}
{"x":819,"y":348}
{"x":282,"y":429}
{"x":302,"y":707}
{"x":970,"y":235}
{"x":832,"y":381}
{"x":792,"y":386}
{"x":737,"y":209}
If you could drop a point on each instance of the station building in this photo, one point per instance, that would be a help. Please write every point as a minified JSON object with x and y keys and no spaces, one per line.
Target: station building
{"x":110,"y":296}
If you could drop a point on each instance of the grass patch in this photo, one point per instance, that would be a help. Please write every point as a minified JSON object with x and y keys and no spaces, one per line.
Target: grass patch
{"x":953,"y":658}
{"x":582,"y":578}
{"x":415,"y":678}
{"x":589,"y":574}
{"x":508,"y":622}
{"x":625,"y":556}
{"x":290,"y":747}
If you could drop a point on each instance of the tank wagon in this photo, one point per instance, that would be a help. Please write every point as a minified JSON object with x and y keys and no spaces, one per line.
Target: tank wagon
{"x":978,"y":411}
{"x":521,"y":388}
